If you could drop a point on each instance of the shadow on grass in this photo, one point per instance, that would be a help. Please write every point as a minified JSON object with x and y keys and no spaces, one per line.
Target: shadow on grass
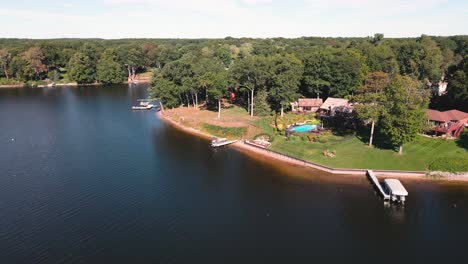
{"x":379,"y":141}
{"x":463,"y":140}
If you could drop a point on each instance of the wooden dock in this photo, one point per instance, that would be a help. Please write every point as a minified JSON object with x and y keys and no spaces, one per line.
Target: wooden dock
{"x":375,"y":182}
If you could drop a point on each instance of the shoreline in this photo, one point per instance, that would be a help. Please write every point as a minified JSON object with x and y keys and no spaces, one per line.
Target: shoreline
{"x":251,"y":151}
{"x":143,"y":81}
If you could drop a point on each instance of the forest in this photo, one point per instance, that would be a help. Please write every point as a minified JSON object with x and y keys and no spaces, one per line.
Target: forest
{"x":269,"y":73}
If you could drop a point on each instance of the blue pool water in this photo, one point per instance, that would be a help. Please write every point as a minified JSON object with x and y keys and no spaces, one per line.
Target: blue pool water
{"x":304,"y":128}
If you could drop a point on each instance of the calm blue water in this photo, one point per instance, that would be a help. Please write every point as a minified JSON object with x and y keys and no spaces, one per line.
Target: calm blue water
{"x":304,"y":128}
{"x":87,"y":180}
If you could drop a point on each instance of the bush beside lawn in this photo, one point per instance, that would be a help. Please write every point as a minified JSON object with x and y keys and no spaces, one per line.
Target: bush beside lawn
{"x":454,"y":164}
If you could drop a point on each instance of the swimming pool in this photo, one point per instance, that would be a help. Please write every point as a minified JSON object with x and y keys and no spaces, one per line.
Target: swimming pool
{"x":304,"y":128}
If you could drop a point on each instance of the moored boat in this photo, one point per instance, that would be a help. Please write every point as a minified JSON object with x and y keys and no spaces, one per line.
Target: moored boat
{"x":219,"y":142}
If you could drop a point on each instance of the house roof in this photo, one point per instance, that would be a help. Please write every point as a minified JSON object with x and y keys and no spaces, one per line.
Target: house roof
{"x":310,"y":102}
{"x":446,"y":115}
{"x":331,"y":103}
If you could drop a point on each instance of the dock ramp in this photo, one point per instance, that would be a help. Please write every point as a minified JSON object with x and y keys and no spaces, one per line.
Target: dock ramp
{"x":375,"y":182}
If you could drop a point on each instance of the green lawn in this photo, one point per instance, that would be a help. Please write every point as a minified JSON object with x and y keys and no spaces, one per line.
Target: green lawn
{"x":224,"y":132}
{"x":353,"y":153}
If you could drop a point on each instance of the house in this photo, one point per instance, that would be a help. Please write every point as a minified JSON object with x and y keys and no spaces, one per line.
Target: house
{"x":448,"y":123}
{"x":306,"y":105}
{"x":335,"y":106}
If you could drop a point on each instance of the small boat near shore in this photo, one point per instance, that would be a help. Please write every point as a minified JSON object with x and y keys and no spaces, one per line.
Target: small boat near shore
{"x":219,"y":142}
{"x":144,"y":105}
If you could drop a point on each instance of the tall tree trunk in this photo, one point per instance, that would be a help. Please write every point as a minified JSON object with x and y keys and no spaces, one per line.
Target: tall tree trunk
{"x":252,"y":103}
{"x":219,"y":108}
{"x":196,"y":100}
{"x":188,"y":100}
{"x":6,"y":73}
{"x":129,"y":69}
{"x":193,"y":100}
{"x":400,"y":151}
{"x":282,"y":111}
{"x":248,"y":102}
{"x":371,"y":133}
{"x":161,"y":106}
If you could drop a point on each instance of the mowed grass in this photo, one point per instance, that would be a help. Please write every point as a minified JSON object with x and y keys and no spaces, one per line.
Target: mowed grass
{"x":353,"y":153}
{"x":224,"y":132}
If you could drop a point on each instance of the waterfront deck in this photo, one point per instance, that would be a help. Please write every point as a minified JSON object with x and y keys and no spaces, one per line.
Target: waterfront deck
{"x":375,"y":182}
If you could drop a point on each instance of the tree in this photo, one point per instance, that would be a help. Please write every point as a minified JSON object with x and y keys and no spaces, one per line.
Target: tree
{"x":165,"y":91}
{"x":421,"y":59}
{"x":317,"y":73}
{"x":286,"y":76}
{"x":132,"y":57}
{"x":457,"y":90}
{"x":348,"y":70}
{"x":262,"y":108}
{"x":217,"y":88}
{"x":34,"y":57}
{"x":251,"y":73}
{"x":377,"y":38}
{"x":108,"y":70}
{"x":82,"y":65}
{"x":370,"y":99}
{"x":5,"y":59}
{"x":404,"y":113}
{"x":211,"y":76}
{"x":333,"y":72}
{"x":380,"y":58}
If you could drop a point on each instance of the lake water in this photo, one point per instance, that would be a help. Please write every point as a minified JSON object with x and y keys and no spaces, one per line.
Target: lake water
{"x":83,"y":179}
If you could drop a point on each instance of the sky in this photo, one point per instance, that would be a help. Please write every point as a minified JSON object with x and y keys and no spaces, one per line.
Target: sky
{"x":111,"y":19}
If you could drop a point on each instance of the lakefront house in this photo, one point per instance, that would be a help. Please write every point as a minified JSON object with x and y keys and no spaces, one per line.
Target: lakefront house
{"x":449,"y":123}
{"x":335,"y":106}
{"x":306,"y":105}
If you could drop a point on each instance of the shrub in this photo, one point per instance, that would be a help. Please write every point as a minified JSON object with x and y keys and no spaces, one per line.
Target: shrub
{"x":265,"y":136}
{"x":311,"y":137}
{"x":304,"y":137}
{"x":321,"y":139}
{"x":453,"y":165}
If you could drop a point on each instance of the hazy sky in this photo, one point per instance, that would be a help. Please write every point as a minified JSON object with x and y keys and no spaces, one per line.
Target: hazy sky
{"x":236,"y":18}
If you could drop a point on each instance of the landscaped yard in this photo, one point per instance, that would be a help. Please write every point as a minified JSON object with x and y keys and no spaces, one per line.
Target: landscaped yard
{"x":353,"y":153}
{"x":350,"y":151}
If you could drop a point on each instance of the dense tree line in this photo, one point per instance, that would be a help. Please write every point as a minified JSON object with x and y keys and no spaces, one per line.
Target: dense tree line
{"x":264,"y":74}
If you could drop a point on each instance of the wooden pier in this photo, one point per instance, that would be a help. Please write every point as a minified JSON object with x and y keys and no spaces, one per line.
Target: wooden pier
{"x":375,"y":182}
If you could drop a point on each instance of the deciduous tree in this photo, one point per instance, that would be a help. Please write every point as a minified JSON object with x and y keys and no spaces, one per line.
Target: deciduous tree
{"x":404,"y":114}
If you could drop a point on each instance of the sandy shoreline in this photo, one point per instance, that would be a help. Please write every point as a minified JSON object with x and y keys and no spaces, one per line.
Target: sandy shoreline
{"x":254,"y":152}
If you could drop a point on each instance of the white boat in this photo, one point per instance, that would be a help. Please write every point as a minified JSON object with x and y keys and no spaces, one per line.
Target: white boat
{"x":219,"y":142}
{"x":396,"y":190}
{"x":141,"y":107}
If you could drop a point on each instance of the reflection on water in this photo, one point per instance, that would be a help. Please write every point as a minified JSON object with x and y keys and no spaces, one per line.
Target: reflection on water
{"x":88,"y":180}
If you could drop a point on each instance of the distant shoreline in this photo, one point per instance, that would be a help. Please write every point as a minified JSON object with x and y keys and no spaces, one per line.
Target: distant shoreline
{"x":253,"y":151}
{"x":144,"y":81}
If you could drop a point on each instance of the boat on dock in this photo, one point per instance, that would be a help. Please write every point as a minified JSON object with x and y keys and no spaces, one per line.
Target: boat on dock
{"x":396,"y":190}
{"x":219,"y":142}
